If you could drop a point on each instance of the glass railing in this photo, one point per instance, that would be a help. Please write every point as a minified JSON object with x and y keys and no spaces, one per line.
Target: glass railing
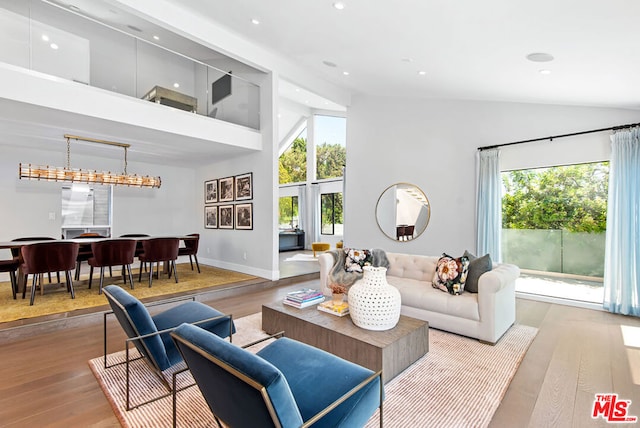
{"x":46,"y":38}
{"x":576,"y":253}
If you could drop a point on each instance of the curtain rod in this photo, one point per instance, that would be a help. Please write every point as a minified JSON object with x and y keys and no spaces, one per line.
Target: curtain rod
{"x":612,"y":128}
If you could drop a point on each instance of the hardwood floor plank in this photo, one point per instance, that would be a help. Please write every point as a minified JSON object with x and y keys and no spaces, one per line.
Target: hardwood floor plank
{"x":46,"y":380}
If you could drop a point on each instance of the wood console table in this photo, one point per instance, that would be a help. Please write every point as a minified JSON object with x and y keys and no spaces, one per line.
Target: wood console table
{"x":391,"y":351}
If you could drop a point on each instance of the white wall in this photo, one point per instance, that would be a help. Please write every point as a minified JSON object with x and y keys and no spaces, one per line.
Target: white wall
{"x":254,"y":251}
{"x":433,"y":144}
{"x":27,"y":204}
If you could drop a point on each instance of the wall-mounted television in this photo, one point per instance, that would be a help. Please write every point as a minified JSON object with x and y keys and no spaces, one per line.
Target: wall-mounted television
{"x":221,"y":88}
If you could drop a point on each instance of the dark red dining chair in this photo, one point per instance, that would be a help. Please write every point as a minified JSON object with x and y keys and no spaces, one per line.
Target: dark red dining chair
{"x":139,"y":248}
{"x":191,"y":249}
{"x":112,"y":252}
{"x":11,"y":266}
{"x":49,"y":257}
{"x":156,"y":250}
{"x":84,"y":253}
{"x":15,"y":252}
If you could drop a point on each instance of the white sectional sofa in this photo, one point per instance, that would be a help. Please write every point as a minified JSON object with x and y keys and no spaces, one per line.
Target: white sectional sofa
{"x":485,"y":315}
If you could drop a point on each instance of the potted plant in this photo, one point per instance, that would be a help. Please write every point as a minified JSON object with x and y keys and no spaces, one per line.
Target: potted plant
{"x":337,"y":293}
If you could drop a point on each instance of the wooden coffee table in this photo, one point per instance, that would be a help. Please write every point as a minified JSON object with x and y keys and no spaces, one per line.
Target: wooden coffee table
{"x":391,"y":351}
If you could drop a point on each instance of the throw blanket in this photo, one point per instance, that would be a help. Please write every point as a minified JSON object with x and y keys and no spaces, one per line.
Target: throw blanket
{"x":338,"y":273}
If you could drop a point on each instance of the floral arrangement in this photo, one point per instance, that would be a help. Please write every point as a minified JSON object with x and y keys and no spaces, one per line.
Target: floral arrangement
{"x":338,"y":288}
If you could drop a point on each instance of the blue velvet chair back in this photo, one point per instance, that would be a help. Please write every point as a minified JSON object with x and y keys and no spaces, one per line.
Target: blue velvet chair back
{"x":240,"y":388}
{"x":136,"y":321}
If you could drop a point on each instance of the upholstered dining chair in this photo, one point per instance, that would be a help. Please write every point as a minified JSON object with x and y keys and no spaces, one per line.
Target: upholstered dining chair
{"x":84,"y":253}
{"x":15,"y":252}
{"x":191,"y":249}
{"x":112,"y":252}
{"x":150,"y":333}
{"x":48,"y":257}
{"x":286,"y":384}
{"x":11,"y":266}
{"x":139,"y":249}
{"x":156,"y":250}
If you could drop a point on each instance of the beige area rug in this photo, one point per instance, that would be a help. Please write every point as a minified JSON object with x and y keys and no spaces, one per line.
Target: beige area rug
{"x":459,"y":383}
{"x":56,"y":299}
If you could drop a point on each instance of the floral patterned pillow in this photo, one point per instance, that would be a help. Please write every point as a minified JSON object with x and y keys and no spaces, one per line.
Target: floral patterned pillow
{"x":356,"y":259}
{"x":451,"y":274}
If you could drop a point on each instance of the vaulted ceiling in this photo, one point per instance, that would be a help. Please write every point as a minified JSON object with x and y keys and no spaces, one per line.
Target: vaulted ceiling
{"x":434,"y":49}
{"x":464,"y":49}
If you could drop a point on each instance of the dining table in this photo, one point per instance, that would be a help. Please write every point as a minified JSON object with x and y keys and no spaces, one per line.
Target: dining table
{"x":19,"y":244}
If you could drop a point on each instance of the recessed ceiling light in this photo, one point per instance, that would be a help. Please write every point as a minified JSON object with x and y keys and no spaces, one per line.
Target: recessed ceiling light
{"x":156,"y":37}
{"x":53,"y":46}
{"x":176,"y":85}
{"x":330,"y":64}
{"x":134,"y":28}
{"x":544,"y":71}
{"x":540,"y":57}
{"x":422,"y":73}
{"x":338,"y":5}
{"x":254,"y":21}
{"x":74,"y":8}
{"x":346,"y":73}
{"x":45,"y":37}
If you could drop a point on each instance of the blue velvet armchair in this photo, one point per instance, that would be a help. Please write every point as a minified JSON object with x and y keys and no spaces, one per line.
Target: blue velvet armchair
{"x":150,"y":334}
{"x":286,"y":384}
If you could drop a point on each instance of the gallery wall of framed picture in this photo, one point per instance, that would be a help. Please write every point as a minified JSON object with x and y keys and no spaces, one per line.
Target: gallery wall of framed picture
{"x":220,"y":196}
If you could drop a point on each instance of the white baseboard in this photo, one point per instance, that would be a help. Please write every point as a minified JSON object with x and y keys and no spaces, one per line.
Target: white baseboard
{"x":249,"y":270}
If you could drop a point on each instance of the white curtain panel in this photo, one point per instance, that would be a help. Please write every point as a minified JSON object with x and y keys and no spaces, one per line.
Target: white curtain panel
{"x":489,"y":204}
{"x":622,"y":253}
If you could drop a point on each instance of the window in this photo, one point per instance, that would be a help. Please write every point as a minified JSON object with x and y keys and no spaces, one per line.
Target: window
{"x":86,"y":209}
{"x":330,"y":142}
{"x":331,"y":214}
{"x":292,"y":165}
{"x":289,"y":213}
{"x":554,"y":220}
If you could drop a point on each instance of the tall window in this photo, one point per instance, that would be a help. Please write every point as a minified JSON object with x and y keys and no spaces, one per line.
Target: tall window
{"x":288,"y":218}
{"x":554,"y":219}
{"x":331,"y":214}
{"x":292,"y":164}
{"x":331,"y":149}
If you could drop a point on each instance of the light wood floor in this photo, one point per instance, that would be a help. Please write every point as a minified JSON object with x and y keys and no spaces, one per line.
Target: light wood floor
{"x":45,"y":379}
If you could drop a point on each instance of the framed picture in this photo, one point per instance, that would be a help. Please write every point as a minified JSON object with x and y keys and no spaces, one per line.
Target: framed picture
{"x":244,"y":187}
{"x":211,"y":217}
{"x":210,"y":191}
{"x":225,"y":217}
{"x":244,"y":216}
{"x":226,"y":189}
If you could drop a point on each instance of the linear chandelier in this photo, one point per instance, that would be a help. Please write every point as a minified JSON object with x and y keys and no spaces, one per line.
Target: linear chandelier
{"x":75,"y":175}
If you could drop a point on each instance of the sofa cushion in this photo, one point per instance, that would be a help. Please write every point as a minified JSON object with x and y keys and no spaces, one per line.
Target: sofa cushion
{"x":412,"y":266}
{"x":356,"y":259}
{"x":421,"y":295}
{"x":477,"y":266}
{"x":451,"y":274}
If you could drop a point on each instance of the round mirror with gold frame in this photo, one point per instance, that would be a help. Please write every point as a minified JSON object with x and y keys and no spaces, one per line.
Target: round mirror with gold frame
{"x":403,"y":212}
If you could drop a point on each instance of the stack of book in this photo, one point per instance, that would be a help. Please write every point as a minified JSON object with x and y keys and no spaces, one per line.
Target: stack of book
{"x":303,"y":298}
{"x":330,"y":307}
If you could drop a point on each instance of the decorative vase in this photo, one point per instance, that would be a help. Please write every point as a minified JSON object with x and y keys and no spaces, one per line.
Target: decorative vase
{"x":337,"y":298}
{"x":374,"y":304}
